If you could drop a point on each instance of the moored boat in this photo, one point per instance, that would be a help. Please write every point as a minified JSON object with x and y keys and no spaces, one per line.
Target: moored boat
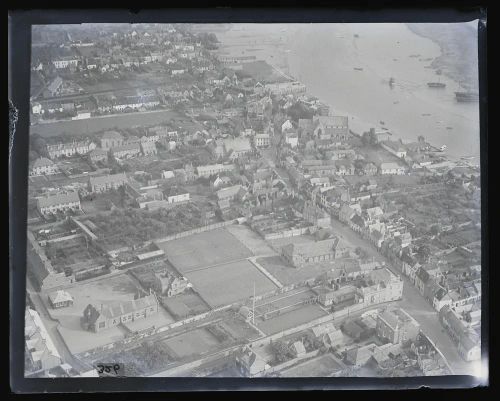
{"x":436,"y":85}
{"x":467,"y":96}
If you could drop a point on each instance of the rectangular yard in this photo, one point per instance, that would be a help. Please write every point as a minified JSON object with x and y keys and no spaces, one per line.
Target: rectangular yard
{"x":230,"y":282}
{"x":195,"y":342}
{"x":323,"y":366}
{"x":204,"y":249}
{"x":110,"y":290}
{"x":290,"y":319}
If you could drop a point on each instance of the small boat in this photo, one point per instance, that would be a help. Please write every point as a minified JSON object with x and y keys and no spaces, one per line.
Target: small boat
{"x":396,"y":102}
{"x":426,"y":114}
{"x":449,"y":128}
{"x":443,"y":148}
{"x":358,"y":68}
{"x":382,"y":122}
{"x":467,"y":96}
{"x":356,"y":35}
{"x":436,"y":85}
{"x":391,"y":81}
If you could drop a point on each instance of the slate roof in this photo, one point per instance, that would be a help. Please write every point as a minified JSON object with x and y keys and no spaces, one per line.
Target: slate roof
{"x":60,"y":296}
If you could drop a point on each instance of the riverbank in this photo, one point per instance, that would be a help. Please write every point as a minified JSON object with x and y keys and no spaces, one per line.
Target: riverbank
{"x":458,"y":44}
{"x":348,"y":66}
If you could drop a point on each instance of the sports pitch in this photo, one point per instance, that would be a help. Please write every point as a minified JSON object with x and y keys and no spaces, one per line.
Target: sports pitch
{"x":229,"y":282}
{"x":205,"y":249}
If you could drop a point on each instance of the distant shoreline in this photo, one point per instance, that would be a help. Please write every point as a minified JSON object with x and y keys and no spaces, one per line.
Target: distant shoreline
{"x":451,"y":64}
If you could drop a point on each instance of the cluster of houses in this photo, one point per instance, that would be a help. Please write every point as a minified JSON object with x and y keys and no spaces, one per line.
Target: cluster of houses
{"x":72,"y":62}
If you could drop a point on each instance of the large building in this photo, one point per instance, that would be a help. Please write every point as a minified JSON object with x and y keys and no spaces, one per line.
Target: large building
{"x":148,"y":148}
{"x":125,"y":151}
{"x":60,"y":202}
{"x":397,"y":326}
{"x":299,"y":255}
{"x":237,"y":147}
{"x":43,"y":166}
{"x":168,"y":284}
{"x":467,"y":341}
{"x":107,"y":182}
{"x":384,"y":286}
{"x":250,"y":364}
{"x":111,"y":139}
{"x":98,"y":155}
{"x":97,"y":318}
{"x":262,"y":140}
{"x":65,"y":62}
{"x":213,"y":169}
{"x":60,"y":299}
{"x":70,"y":149}
{"x":391,"y":169}
{"x":331,"y":127}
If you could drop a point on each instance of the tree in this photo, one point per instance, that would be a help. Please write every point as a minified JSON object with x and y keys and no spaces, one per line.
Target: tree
{"x":423,"y":253}
{"x":434,"y":230}
{"x":281,"y":350}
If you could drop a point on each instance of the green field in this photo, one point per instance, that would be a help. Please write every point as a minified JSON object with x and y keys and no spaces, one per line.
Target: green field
{"x":204,"y":249}
{"x":229,"y":282}
{"x":96,"y":124}
{"x":197,"y":342}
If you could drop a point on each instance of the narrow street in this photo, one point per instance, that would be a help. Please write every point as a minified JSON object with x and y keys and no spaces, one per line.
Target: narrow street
{"x":412,"y":302}
{"x":51,"y":326}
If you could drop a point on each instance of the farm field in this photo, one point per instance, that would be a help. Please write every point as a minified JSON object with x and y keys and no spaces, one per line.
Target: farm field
{"x":290,"y":319}
{"x":195,"y":342}
{"x":323,"y":366}
{"x":229,"y":282}
{"x":250,"y":239}
{"x":96,"y":124}
{"x":203,"y":250}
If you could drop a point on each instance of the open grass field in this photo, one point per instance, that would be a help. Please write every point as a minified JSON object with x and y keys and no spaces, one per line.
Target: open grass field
{"x":229,"y":282}
{"x":195,"y":342}
{"x":204,"y":249}
{"x":323,"y":366}
{"x":250,"y":239}
{"x":96,"y":124}
{"x":290,"y":319}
